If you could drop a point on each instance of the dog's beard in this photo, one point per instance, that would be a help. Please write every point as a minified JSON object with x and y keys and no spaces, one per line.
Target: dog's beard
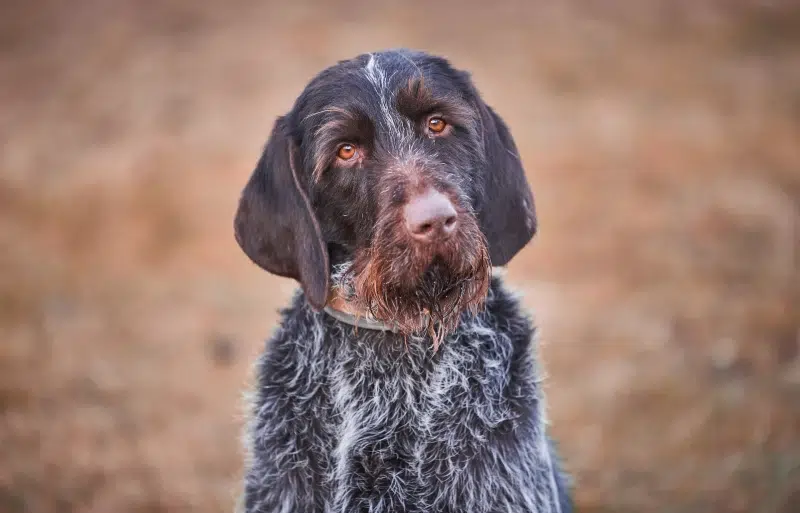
{"x":415,"y":288}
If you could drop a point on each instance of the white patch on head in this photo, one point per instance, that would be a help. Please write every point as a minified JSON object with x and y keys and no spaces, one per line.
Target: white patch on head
{"x":400,"y":130}
{"x":374,"y":73}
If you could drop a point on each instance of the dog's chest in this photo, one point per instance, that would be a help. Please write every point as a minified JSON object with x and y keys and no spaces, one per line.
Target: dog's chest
{"x":405,"y":422}
{"x":358,"y":421}
{"x":379,"y":414}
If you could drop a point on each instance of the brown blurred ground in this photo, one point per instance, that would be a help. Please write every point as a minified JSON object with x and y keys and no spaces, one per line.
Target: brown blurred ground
{"x":662,"y":140}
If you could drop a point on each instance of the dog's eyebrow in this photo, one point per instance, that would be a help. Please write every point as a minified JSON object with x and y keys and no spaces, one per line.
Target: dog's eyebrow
{"x":415,"y":96}
{"x":340,"y":124}
{"x":415,"y":99}
{"x":329,"y":110}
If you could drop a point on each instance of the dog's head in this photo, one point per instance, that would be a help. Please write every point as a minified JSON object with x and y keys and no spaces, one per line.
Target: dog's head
{"x":391,"y":165}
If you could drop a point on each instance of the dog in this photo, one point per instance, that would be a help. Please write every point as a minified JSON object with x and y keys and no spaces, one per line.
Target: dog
{"x":403,"y":376}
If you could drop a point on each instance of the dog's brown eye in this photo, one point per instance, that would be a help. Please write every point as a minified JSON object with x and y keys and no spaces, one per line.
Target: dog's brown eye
{"x":436,"y":125}
{"x":346,"y":152}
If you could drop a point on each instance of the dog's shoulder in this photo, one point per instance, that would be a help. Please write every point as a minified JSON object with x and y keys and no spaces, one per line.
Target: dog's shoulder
{"x":296,"y":349}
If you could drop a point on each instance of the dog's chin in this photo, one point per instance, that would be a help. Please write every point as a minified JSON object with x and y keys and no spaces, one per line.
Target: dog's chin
{"x":421,"y":291}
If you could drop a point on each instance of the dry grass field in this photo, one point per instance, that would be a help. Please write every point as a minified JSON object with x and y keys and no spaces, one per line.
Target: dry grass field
{"x":662,"y":142}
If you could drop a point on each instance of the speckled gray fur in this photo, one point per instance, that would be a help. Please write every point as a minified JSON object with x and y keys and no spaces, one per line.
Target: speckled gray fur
{"x":347,"y":420}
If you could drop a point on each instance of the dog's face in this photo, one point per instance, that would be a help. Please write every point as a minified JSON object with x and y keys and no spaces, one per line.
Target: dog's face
{"x":391,"y":166}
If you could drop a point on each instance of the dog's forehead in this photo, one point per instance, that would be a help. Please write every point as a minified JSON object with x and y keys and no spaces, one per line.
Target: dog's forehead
{"x":374,"y":79}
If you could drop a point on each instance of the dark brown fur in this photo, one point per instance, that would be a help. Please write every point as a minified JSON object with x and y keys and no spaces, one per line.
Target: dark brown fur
{"x":306,"y":211}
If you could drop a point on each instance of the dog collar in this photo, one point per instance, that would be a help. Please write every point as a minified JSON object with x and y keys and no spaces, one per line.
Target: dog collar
{"x":359,"y":321}
{"x":370,"y":323}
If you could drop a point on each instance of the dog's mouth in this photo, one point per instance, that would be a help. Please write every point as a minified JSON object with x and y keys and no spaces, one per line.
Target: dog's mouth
{"x":419,"y":289}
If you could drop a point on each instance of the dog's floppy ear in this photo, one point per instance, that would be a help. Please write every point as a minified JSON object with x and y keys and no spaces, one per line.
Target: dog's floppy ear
{"x":507,"y":215}
{"x":274,"y":223}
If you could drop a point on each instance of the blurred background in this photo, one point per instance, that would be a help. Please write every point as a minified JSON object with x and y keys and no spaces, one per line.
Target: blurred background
{"x":662,"y":142}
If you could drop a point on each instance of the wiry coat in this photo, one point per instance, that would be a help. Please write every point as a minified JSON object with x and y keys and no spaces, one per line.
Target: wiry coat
{"x":368,"y":420}
{"x":348,"y":420}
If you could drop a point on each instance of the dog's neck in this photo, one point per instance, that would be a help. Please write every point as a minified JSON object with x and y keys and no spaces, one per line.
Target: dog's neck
{"x":346,"y":311}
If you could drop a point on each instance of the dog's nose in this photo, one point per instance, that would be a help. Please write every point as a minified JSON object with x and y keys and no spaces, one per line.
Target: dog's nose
{"x":430,"y":216}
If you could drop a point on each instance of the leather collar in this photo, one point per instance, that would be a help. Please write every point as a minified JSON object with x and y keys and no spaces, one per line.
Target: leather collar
{"x":359,"y":321}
